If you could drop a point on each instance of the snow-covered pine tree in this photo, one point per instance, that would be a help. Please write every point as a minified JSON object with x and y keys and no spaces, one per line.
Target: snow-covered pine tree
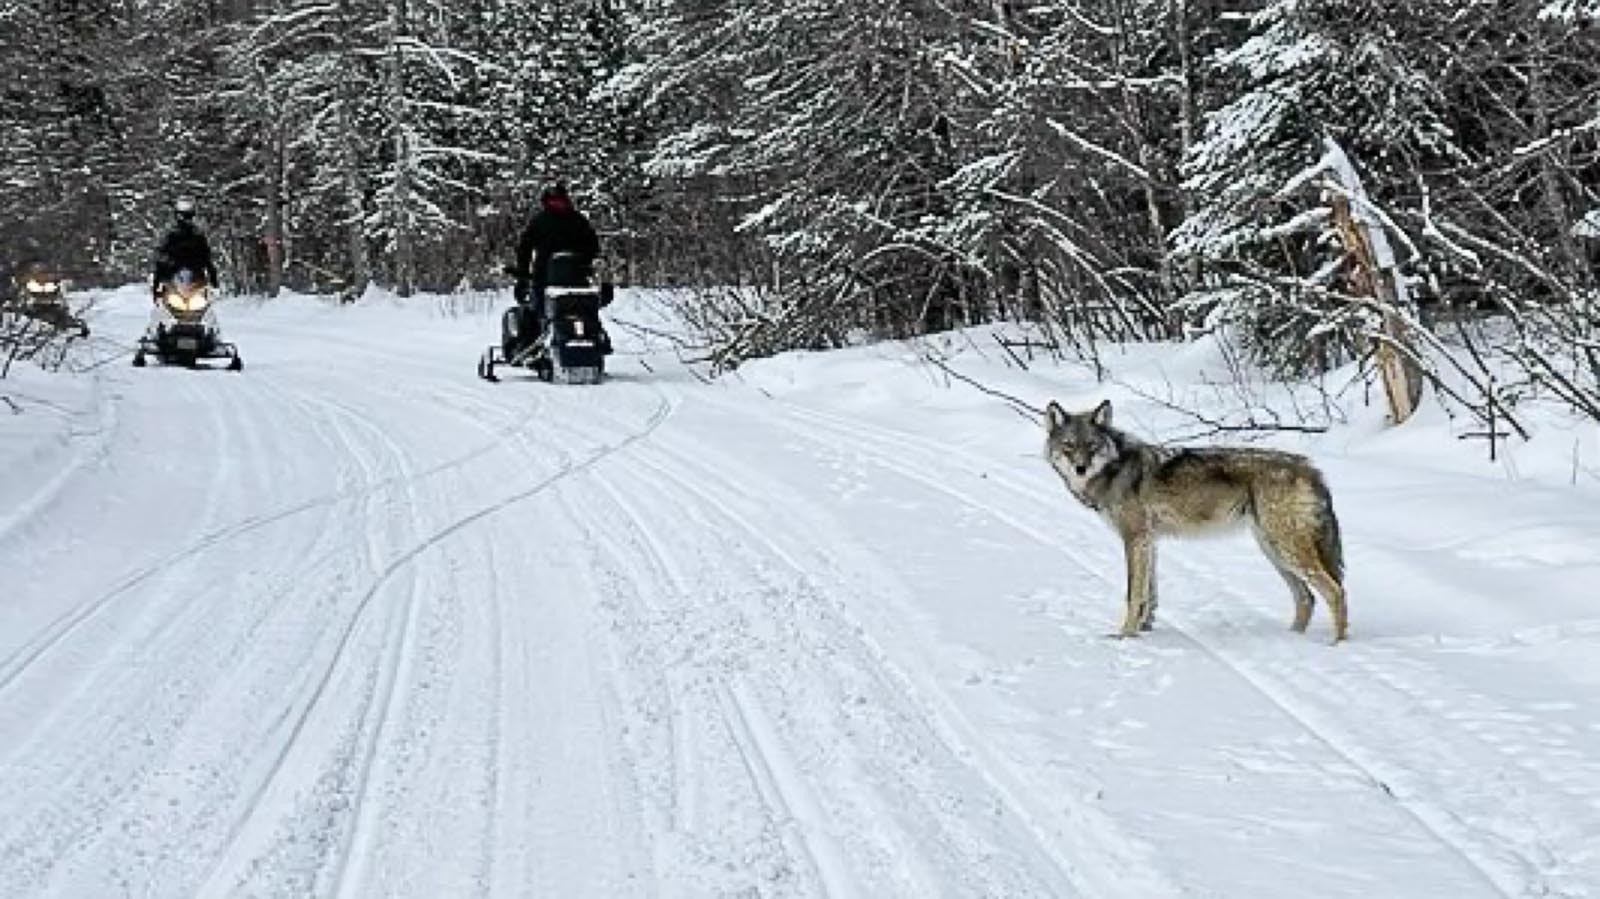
{"x":1071,"y":183}
{"x":300,"y":81}
{"x":547,"y":115}
{"x":1309,"y":69}
{"x":404,"y":139}
{"x":832,"y":124}
{"x":684,"y":82}
{"x":77,"y":182}
{"x":39,"y":96}
{"x":420,"y":197}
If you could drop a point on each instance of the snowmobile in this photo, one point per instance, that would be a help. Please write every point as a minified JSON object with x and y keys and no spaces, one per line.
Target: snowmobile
{"x":42,"y":296}
{"x":183,"y":326}
{"x":574,"y":340}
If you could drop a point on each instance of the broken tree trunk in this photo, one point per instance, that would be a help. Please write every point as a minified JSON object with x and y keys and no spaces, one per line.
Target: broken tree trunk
{"x":1375,"y":273}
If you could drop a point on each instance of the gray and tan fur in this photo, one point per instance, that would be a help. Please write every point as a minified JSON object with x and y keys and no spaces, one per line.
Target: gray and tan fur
{"x":1145,"y":492}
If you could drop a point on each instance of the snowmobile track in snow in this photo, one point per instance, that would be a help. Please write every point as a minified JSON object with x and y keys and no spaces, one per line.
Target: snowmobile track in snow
{"x":85,"y":453}
{"x":349,"y":870}
{"x":18,"y":663}
{"x":717,"y":487}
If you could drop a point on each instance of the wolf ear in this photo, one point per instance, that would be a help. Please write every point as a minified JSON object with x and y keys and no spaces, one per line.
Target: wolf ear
{"x":1101,"y":416}
{"x":1055,"y":417}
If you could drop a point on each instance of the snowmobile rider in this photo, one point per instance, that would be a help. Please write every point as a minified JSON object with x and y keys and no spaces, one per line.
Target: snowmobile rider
{"x":558,"y":227}
{"x":184,"y":248}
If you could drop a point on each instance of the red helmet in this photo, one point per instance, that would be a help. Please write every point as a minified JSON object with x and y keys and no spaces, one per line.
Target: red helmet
{"x":555,"y":196}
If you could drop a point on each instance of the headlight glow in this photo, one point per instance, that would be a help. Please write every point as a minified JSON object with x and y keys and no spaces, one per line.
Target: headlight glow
{"x":42,"y":286}
{"x":194,"y":302}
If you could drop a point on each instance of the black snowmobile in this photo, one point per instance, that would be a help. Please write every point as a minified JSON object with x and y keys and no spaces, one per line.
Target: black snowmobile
{"x":183,"y":327}
{"x":574,"y":341}
{"x":42,"y":296}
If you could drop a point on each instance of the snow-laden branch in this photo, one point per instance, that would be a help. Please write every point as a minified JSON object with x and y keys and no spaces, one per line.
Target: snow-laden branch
{"x":1588,"y":226}
{"x":1090,"y":146}
{"x":1430,"y":229}
{"x":1344,"y":181}
{"x":289,"y":19}
{"x":423,"y":153}
{"x":1560,"y":135}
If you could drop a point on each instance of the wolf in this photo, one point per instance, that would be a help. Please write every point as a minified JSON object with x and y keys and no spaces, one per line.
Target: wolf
{"x":1145,"y":492}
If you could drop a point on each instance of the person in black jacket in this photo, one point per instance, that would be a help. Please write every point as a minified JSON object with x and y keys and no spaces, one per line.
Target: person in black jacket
{"x":558,"y":227}
{"x":184,"y":248}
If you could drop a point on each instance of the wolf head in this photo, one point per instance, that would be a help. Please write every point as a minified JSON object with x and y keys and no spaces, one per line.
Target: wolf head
{"x":1079,"y":447}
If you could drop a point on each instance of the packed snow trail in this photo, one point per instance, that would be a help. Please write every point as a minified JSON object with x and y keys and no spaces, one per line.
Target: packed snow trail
{"x":354,"y":623}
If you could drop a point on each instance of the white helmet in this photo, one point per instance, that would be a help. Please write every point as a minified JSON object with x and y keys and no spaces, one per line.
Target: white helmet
{"x":184,"y":207}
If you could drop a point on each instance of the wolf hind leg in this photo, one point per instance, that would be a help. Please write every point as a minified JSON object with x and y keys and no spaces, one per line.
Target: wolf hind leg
{"x":1295,"y":553}
{"x":1333,"y":593}
{"x":1304,"y":600}
{"x":1147,"y":622}
{"x":1293,"y":558}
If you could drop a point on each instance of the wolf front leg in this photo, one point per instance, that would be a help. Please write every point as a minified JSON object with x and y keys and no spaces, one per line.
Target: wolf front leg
{"x":1140,"y":550}
{"x":1149,"y":621}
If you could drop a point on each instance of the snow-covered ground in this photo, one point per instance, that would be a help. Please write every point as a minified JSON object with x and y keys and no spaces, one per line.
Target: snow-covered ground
{"x":355,"y":623}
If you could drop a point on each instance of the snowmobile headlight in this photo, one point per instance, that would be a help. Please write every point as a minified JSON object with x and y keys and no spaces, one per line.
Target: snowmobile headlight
{"x":36,"y":286}
{"x":194,"y":302}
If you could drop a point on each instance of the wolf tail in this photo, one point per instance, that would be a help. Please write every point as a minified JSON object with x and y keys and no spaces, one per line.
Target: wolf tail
{"x":1330,"y":548}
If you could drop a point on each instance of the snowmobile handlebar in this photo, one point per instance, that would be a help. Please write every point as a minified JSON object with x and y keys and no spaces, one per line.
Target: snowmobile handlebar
{"x":598,"y":264}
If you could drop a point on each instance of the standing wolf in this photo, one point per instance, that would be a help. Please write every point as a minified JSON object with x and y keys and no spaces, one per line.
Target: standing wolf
{"x":1145,"y":492}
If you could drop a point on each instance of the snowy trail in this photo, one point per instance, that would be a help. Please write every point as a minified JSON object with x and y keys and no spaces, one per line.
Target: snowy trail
{"x":353,"y":623}
{"x":1514,"y":798}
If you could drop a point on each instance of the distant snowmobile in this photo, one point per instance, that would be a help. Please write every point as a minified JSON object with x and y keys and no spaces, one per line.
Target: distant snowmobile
{"x":574,"y":340}
{"x":183,"y":326}
{"x":42,"y":296}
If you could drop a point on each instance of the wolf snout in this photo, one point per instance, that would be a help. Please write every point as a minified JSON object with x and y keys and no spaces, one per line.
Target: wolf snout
{"x":1081,"y":469}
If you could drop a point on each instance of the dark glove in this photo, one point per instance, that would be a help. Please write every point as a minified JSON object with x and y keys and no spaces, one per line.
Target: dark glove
{"x":520,"y":292}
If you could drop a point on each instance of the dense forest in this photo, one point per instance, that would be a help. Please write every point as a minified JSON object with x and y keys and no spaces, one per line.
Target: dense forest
{"x":1115,"y":169}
